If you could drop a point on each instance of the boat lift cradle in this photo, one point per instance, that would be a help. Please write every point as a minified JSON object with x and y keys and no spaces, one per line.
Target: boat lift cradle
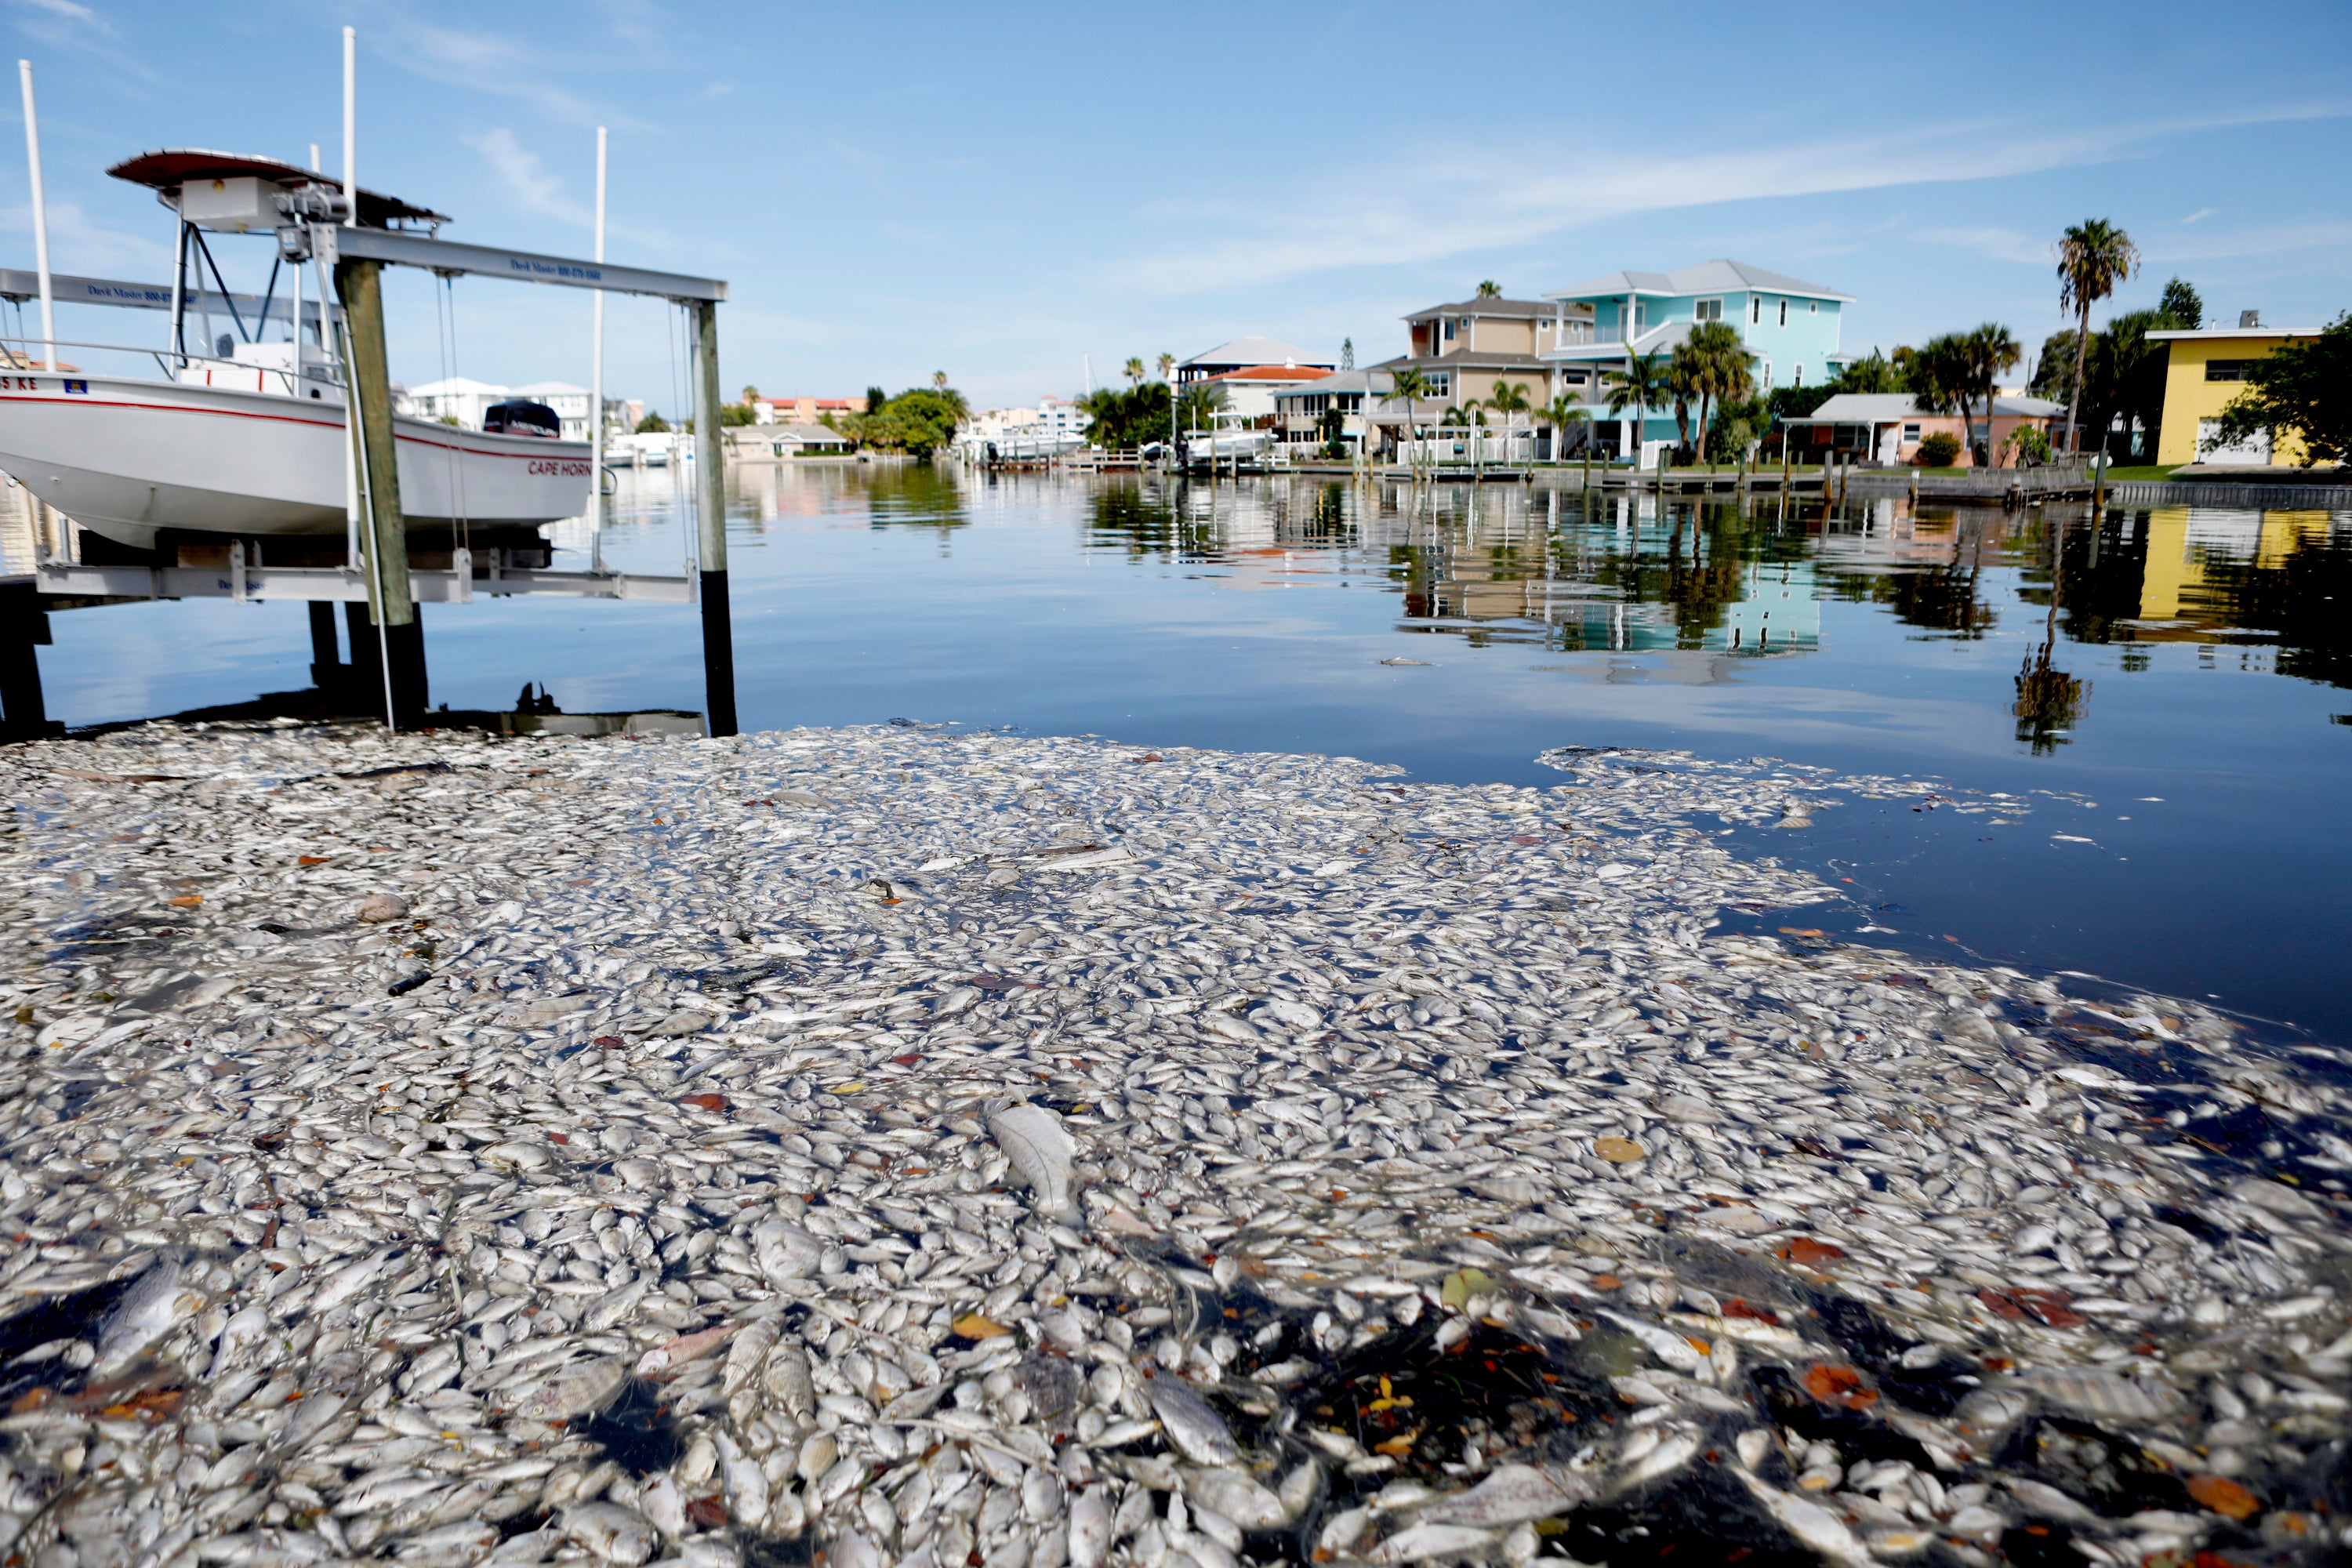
{"x":313,"y":224}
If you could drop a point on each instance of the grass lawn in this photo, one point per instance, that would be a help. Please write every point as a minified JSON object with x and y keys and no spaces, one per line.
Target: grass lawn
{"x":2153,"y":471}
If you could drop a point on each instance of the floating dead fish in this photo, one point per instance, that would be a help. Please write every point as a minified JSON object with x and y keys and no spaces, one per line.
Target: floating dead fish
{"x":1511,"y":1494}
{"x":1198,"y":1432}
{"x":1033,"y":1140}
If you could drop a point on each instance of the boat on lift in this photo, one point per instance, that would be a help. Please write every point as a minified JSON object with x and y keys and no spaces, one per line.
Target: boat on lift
{"x":252,"y":439}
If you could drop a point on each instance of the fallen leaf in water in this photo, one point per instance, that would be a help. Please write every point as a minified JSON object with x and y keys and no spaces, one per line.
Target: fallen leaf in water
{"x":309,"y":860}
{"x":1839,"y":1385}
{"x":706,"y":1102}
{"x":188,"y":901}
{"x":1606,"y":1282}
{"x":972,"y":1326}
{"x":1464,"y":1283}
{"x":1398,"y":1447}
{"x":1619,"y":1151}
{"x":1798,"y":931}
{"x":1810,"y":1252}
{"x":2053,"y":1307}
{"x":1736,"y":1308}
{"x":2225,"y":1497}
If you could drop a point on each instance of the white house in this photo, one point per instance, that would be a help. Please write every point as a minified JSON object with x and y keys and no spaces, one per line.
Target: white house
{"x":468,"y":401}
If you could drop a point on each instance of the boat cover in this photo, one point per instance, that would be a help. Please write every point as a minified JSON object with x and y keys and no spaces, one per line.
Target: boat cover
{"x":170,"y":169}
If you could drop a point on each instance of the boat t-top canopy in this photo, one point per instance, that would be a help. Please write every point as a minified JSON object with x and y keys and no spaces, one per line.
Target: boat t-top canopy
{"x":167,"y":171}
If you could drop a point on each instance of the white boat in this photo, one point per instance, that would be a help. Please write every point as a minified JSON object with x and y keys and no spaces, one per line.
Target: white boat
{"x":249,"y":443}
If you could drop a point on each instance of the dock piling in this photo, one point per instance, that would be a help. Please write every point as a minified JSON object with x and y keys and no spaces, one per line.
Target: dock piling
{"x":23,"y":626}
{"x":710,"y":486}
{"x":360,"y":284}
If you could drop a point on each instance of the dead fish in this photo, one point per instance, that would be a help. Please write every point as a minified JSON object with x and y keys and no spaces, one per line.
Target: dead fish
{"x":1090,"y":1527}
{"x":664,"y":1505}
{"x":1512,"y":1494}
{"x":746,"y":1484}
{"x":1032,"y":1139}
{"x":1664,"y":1343}
{"x":587,"y":1386}
{"x":1421,"y":662}
{"x":348,"y":1282}
{"x":2103,"y":1395}
{"x":616,"y":1534}
{"x":1425,"y":1543}
{"x":1236,"y":1496}
{"x":744,"y":1357}
{"x":1814,"y":1526}
{"x":787,"y":1378}
{"x":785,"y":1252}
{"x":681,"y":1350}
{"x":1197,"y":1432}
{"x":155,"y":1304}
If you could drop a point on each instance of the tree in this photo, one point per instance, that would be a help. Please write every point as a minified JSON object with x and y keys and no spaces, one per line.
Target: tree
{"x":1560,"y":414}
{"x":1347,"y":353}
{"x":1990,"y":350}
{"x":751,"y":394}
{"x":2054,"y":368}
{"x":1640,"y":384}
{"x":653,"y":424}
{"x":1874,"y":373}
{"x":1490,"y":290}
{"x":2304,"y":386}
{"x":1509,"y":399}
{"x":875,"y":399}
{"x":2183,"y":303}
{"x":1941,"y":373}
{"x":1133,"y":369}
{"x":939,"y":380}
{"x":1167,"y":365}
{"x":1718,"y":369}
{"x":1408,"y":384}
{"x":1681,"y":380}
{"x":2094,"y":256}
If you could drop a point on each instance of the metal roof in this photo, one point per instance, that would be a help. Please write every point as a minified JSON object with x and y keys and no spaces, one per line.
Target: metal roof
{"x":1892,"y":407}
{"x":1516,"y":310}
{"x":1719,"y":277}
{"x":167,"y":170}
{"x":1258,"y":350}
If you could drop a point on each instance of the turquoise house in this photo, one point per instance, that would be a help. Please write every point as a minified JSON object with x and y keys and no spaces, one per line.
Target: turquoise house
{"x":1790,"y":328}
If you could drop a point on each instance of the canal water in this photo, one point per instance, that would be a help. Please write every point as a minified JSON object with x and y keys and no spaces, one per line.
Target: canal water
{"x":2166,"y":688}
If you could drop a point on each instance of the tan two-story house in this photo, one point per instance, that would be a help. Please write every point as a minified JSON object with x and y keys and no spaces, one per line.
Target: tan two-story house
{"x":1465,"y":350}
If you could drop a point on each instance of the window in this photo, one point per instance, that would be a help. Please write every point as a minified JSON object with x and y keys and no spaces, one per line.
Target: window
{"x":1641,"y":315}
{"x":2226,"y":369}
{"x":1767,"y":377}
{"x":1755,"y":309}
{"x":1911,"y":435}
{"x":1784,"y":313}
{"x":1449,"y":331}
{"x":1440,"y":383}
{"x":1574,"y":378}
{"x":1796,"y":372}
{"x":1707,"y":310}
{"x":1813,"y":307}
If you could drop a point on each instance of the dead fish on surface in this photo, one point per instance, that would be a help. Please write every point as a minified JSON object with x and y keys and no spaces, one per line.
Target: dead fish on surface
{"x":1034,"y":1140}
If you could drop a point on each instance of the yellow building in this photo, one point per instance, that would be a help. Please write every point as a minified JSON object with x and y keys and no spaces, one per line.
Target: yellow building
{"x":2206,"y":370}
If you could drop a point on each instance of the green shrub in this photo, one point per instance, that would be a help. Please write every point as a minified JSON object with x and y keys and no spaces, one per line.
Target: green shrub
{"x":1938,"y":450}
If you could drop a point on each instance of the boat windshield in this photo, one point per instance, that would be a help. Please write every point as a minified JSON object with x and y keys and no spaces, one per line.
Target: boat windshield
{"x":521,"y":418}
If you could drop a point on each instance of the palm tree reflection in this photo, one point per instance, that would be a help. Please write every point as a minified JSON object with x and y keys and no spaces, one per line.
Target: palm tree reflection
{"x":2050,"y":703}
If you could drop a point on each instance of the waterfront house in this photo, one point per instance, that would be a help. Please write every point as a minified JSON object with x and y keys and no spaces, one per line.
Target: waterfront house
{"x":785,"y":440}
{"x":1251,"y":389}
{"x":2206,"y":369}
{"x":1888,"y":427}
{"x":1247,"y":354}
{"x":1466,"y":351}
{"x":1790,"y":328}
{"x":803,"y":410}
{"x":1299,"y":411}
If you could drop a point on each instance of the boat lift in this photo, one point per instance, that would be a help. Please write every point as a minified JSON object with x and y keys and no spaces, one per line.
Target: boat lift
{"x":312,"y":223}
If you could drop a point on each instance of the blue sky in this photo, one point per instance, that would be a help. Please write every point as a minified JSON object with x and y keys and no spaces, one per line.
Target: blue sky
{"x":996,"y":192}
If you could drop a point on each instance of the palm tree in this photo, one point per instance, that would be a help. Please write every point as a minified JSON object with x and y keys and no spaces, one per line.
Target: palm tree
{"x":1989,"y":350}
{"x":1167,"y":365}
{"x":939,"y":380}
{"x":1133,"y":369}
{"x":1942,"y":374}
{"x":1559,"y":415}
{"x":1640,"y":384}
{"x":1408,"y":384}
{"x":1509,"y":400}
{"x":2092,"y":258}
{"x":1719,"y":370}
{"x":1681,"y":380}
{"x":1490,"y":290}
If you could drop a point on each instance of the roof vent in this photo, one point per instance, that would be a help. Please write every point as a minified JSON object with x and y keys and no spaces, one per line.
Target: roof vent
{"x":2249,"y":319}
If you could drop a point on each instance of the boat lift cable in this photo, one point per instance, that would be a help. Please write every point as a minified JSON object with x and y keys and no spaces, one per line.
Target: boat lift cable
{"x":444,"y":304}
{"x":676,"y":464}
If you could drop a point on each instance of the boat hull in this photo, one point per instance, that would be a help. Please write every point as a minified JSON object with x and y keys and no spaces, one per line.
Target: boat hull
{"x":126,"y":457}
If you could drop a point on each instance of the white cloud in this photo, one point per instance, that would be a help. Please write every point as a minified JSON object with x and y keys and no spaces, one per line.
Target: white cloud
{"x":79,"y":244}
{"x":1457,"y":201}
{"x":2198,"y":215}
{"x":2000,"y":244}
{"x":526,"y":176}
{"x":68,"y":10}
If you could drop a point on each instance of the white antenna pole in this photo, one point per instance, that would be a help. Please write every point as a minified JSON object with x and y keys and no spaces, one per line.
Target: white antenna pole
{"x":351,"y":123}
{"x":596,"y":389}
{"x":1088,"y":360}
{"x":314,"y":157}
{"x":351,"y":383}
{"x":40,"y":220}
